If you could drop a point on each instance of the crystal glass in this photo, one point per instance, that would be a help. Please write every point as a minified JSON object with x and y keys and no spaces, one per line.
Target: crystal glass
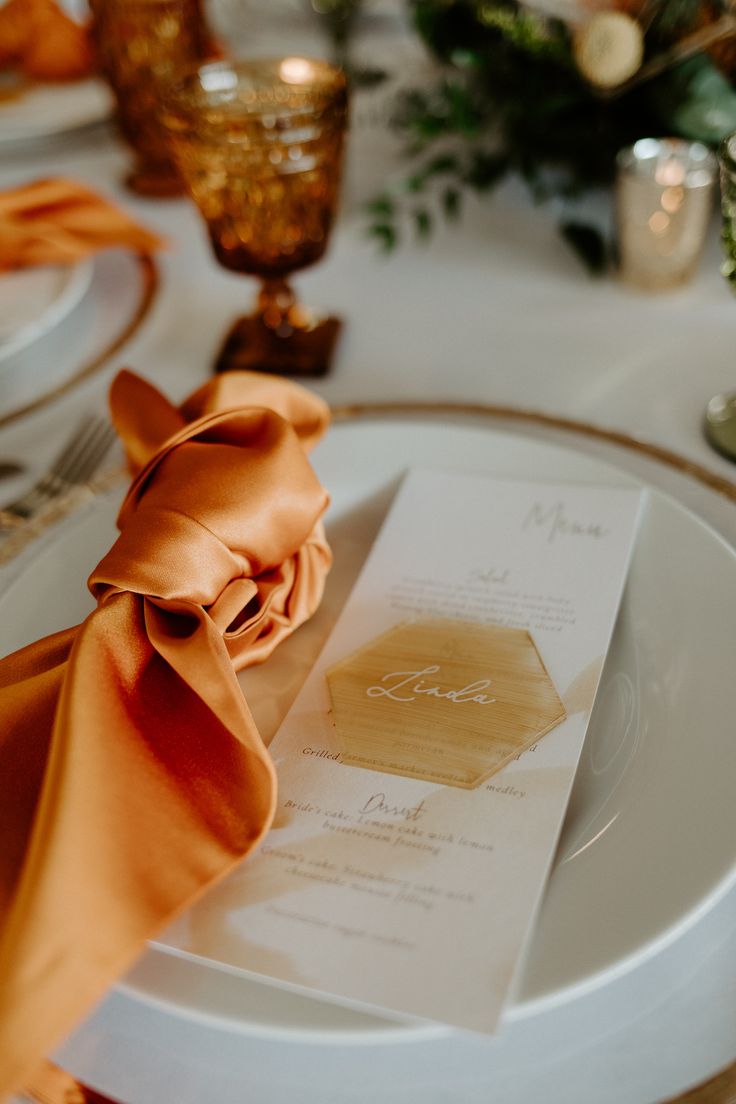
{"x":260,"y":145}
{"x":664,"y":204}
{"x":142,"y":46}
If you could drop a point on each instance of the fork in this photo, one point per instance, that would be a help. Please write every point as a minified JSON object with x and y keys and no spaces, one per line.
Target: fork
{"x":78,"y":459}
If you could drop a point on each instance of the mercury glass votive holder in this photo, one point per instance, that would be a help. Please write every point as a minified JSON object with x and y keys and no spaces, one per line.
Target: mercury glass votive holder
{"x":142,"y":46}
{"x":664,"y":205}
{"x":260,"y":145}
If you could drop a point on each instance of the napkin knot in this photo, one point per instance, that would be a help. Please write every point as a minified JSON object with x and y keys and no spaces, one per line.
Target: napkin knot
{"x":138,"y":777}
{"x":225,"y":516}
{"x":59,"y":221}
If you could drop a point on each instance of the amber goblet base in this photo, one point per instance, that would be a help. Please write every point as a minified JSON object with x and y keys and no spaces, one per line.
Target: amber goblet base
{"x":253,"y":346}
{"x":280,"y":336}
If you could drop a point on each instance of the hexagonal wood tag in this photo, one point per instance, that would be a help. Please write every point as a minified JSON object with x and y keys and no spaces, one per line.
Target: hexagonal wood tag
{"x":446,"y":701}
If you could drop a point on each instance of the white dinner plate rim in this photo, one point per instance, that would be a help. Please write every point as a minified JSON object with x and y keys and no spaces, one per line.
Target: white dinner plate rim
{"x":21,"y":129}
{"x":543,"y":1004}
{"x":75,"y":282}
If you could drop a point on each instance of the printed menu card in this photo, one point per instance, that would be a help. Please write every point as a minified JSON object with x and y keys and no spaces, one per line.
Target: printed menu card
{"x":425,"y":765}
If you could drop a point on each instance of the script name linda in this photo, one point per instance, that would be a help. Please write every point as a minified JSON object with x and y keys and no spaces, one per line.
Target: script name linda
{"x":412,"y":684}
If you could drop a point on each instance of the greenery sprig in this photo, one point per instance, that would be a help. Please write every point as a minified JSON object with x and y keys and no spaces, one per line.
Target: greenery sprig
{"x":509,"y":99}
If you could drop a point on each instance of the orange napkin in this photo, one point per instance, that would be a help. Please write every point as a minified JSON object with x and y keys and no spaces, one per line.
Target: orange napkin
{"x":59,"y":221}
{"x":132,"y":774}
{"x":39,"y":38}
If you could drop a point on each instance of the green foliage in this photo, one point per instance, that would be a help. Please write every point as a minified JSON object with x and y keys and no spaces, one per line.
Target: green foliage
{"x":676,"y":16}
{"x":509,"y":99}
{"x":589,"y":244}
{"x":697,"y":101}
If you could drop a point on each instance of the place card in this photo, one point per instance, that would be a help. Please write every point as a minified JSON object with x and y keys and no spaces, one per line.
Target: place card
{"x":425,"y":766}
{"x":447,"y":701}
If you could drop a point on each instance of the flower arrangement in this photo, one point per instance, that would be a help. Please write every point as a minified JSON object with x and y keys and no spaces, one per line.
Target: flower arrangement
{"x":551,"y":90}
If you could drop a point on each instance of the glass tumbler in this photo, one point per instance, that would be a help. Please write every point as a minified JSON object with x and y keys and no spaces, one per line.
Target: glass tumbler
{"x":664,"y":205}
{"x":142,"y":46}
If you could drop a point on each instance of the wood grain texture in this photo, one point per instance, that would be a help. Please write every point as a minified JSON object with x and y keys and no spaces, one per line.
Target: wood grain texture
{"x":443,"y":700}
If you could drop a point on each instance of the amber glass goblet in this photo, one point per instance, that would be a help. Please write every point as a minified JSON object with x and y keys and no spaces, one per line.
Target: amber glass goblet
{"x":260,"y":145}
{"x":144,"y":45}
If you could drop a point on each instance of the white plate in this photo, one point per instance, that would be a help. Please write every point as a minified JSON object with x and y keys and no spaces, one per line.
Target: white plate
{"x":42,"y":111}
{"x":649,"y":842}
{"x":34,"y":300}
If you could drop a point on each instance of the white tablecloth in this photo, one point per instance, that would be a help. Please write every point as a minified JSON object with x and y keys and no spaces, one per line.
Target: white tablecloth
{"x":493,"y":310}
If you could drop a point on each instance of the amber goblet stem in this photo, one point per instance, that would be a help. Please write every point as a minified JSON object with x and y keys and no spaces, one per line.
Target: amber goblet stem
{"x":277,"y":306}
{"x":280,"y":336}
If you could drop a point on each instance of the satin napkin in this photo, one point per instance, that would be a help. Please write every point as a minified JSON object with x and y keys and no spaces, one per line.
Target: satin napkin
{"x":59,"y":221}
{"x":132,"y":773}
{"x":40,"y":39}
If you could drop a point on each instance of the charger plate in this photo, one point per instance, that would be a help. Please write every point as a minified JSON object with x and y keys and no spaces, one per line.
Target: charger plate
{"x":649,"y":842}
{"x":120,"y":289}
{"x":34,"y":300}
{"x":37,"y":112}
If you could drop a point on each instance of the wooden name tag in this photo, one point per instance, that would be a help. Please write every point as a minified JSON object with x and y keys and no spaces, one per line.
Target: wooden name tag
{"x":446,"y":701}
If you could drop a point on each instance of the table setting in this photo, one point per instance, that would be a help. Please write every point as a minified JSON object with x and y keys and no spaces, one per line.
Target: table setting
{"x":305,"y":382}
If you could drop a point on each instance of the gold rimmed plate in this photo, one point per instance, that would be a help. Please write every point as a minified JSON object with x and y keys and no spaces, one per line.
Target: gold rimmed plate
{"x":35,"y":112}
{"x":120,"y":292}
{"x":631,"y":874}
{"x":35,"y":300}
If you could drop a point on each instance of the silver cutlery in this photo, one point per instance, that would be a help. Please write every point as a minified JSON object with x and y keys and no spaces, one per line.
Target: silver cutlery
{"x":81,"y":455}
